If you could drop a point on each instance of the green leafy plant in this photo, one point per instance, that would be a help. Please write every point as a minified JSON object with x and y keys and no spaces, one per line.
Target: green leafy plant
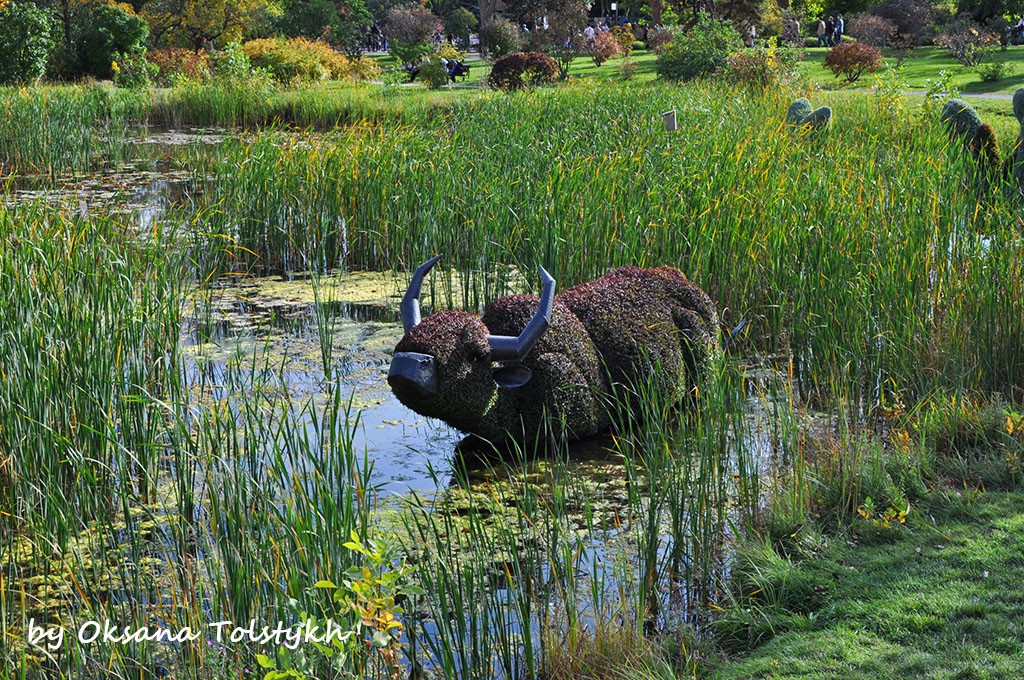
{"x":993,"y":69}
{"x":25,"y":42}
{"x":625,"y":38}
{"x":888,"y":89}
{"x":133,"y":70}
{"x":109,"y":30}
{"x":760,"y":67}
{"x":432,"y":72}
{"x":501,"y":37}
{"x":367,"y":605}
{"x":702,"y":51}
{"x":886,"y":517}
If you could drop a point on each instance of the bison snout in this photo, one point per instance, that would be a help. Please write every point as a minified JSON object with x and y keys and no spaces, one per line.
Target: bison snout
{"x":413,"y":374}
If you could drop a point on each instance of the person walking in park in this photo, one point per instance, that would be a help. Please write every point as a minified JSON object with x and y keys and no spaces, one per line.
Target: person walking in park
{"x":838,"y":38}
{"x":830,"y":31}
{"x":821,"y":32}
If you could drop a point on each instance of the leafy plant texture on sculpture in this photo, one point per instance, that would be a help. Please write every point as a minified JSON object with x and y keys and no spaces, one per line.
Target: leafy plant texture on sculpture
{"x":527,"y":369}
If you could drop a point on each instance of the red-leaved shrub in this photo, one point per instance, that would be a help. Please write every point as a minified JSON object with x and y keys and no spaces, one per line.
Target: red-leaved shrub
{"x":852,"y":59}
{"x":605,"y":47}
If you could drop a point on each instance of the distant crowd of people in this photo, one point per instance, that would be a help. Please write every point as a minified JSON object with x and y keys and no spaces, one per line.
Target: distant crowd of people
{"x":830,"y":31}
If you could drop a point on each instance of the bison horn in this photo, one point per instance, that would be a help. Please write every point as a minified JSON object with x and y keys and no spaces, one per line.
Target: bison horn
{"x":507,"y":348}
{"x":410,"y":306}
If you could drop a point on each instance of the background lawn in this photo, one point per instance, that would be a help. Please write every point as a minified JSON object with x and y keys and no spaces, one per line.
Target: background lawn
{"x":923,"y":64}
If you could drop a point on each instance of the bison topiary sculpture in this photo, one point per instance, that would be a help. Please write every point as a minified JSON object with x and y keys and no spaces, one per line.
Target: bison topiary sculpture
{"x":532,"y":368}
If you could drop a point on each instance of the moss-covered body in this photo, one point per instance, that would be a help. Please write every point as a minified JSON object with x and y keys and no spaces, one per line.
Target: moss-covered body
{"x":631,"y":326}
{"x":978,"y":137}
{"x":1017,"y":155}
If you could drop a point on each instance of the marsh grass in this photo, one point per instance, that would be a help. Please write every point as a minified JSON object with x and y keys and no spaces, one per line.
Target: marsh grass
{"x":254,"y":104}
{"x":54,"y":130}
{"x":868,"y":254}
{"x":539,"y":574}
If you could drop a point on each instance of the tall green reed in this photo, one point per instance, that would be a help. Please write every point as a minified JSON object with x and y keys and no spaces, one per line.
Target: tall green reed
{"x":537,"y":561}
{"x":63,"y":129}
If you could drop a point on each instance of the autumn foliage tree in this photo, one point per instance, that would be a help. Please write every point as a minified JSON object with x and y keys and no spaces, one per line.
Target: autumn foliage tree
{"x":853,"y":59}
{"x":202,"y":23}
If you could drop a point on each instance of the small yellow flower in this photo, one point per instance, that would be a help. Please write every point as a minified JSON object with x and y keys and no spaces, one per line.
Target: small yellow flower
{"x":114,"y":67}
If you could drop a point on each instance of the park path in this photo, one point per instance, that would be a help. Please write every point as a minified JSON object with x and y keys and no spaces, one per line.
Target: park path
{"x":979,"y":95}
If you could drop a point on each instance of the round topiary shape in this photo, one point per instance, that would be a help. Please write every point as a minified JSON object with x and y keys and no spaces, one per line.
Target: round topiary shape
{"x":819,"y":118}
{"x":801,"y":113}
{"x":798,"y":111}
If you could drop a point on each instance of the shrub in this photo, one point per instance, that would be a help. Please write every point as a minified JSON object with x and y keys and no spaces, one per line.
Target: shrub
{"x":285,"y":61}
{"x":133,"y":70}
{"x":605,"y":47}
{"x":967,"y":42}
{"x":233,"y":68}
{"x":25,"y":42}
{"x":852,"y":59}
{"x":760,"y":68}
{"x":523,"y":69}
{"x":658,"y":39}
{"x":178,"y":63}
{"x":501,"y":37}
{"x":700,"y":52}
{"x":450,"y":52}
{"x":363,"y":68}
{"x":991,"y":71}
{"x":109,"y":30}
{"x":873,"y":30}
{"x":625,"y":38}
{"x":460,"y":23}
{"x":627,"y":69}
{"x":302,"y":60}
{"x":432,"y":72}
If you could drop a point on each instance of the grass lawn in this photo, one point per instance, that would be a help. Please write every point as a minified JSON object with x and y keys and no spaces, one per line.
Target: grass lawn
{"x":922,"y":65}
{"x":938,"y":598}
